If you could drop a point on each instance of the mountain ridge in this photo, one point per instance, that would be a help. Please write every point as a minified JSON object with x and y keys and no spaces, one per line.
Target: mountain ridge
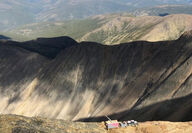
{"x":107,"y":79}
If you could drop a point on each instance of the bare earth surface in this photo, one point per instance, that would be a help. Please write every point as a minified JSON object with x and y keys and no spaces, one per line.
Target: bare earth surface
{"x":144,"y":81}
{"x":20,"y":124}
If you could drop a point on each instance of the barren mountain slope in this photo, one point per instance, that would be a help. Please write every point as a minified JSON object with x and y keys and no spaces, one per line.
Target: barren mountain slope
{"x":149,"y":28}
{"x":18,"y":68}
{"x":91,"y":80}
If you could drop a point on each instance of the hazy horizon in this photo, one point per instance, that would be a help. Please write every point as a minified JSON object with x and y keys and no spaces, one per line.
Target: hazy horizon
{"x":14,"y":13}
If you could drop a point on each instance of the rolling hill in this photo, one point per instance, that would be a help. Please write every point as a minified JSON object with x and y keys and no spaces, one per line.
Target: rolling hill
{"x":109,"y":29}
{"x":86,"y":81}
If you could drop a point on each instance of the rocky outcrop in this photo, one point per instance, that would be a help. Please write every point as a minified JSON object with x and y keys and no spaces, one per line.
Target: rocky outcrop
{"x":141,"y":80}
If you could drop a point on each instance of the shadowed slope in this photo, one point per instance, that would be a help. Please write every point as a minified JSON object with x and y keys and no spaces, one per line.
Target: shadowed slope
{"x":91,"y":80}
{"x":170,"y":110}
{"x":18,"y":68}
{"x":48,"y":47}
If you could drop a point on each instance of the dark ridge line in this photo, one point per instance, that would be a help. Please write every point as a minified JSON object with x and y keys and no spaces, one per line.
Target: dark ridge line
{"x":186,"y":80}
{"x":54,"y":50}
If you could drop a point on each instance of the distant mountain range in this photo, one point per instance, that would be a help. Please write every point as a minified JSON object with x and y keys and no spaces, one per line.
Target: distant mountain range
{"x":109,"y":29}
{"x":163,"y":10}
{"x":18,"y":12}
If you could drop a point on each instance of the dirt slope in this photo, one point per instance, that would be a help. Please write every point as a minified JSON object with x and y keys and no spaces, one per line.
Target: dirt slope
{"x":20,"y":124}
{"x":140,"y":80}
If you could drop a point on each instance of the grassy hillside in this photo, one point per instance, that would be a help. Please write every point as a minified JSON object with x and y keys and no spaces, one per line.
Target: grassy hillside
{"x":109,"y":29}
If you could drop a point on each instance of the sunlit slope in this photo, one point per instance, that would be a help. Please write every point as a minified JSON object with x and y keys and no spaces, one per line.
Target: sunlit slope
{"x":20,"y":124}
{"x":110,"y":29}
{"x":91,"y":80}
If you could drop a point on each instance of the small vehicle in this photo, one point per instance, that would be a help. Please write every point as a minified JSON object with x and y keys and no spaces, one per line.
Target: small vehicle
{"x":132,"y":123}
{"x":112,"y":124}
{"x":123,"y":124}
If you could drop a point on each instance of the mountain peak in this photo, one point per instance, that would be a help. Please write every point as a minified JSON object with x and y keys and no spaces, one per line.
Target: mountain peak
{"x":59,"y":42}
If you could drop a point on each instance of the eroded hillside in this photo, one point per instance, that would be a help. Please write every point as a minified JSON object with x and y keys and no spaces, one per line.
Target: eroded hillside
{"x":140,"y":80}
